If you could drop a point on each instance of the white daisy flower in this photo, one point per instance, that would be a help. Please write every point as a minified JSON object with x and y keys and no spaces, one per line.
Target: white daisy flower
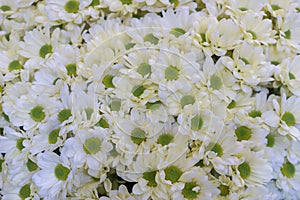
{"x":254,"y":169}
{"x":89,"y":148}
{"x":195,"y":185}
{"x":256,"y":29}
{"x":32,"y":111}
{"x":289,"y":74}
{"x":288,"y":177}
{"x":122,"y":6}
{"x":25,"y":191}
{"x":13,"y":144}
{"x":38,"y":46}
{"x":121,"y":193}
{"x":239,"y":6}
{"x":222,"y":151}
{"x":284,"y":115}
{"x":223,"y":35}
{"x":67,"y":10}
{"x":55,"y":177}
{"x":289,"y":26}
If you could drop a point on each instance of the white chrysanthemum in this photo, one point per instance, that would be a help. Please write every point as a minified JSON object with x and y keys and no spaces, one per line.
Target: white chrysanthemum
{"x":55,"y":177}
{"x":198,"y":123}
{"x":19,"y":192}
{"x":218,"y":80}
{"x":289,"y":32}
{"x":38,"y":46}
{"x":146,"y":32}
{"x":175,"y":71}
{"x":223,"y":35}
{"x":244,"y":5}
{"x":122,"y":6}
{"x":121,"y":193}
{"x":12,"y":144}
{"x":254,"y":169}
{"x":222,"y":151}
{"x":32,"y":111}
{"x":50,"y":137}
{"x":288,"y":176}
{"x":66,"y":60}
{"x":194,"y":184}
{"x":284,"y":116}
{"x":89,"y":149}
{"x":251,"y":133}
{"x":67,"y":10}
{"x":256,"y":29}
{"x":249,"y":65}
{"x":289,"y":74}
{"x":146,"y":173}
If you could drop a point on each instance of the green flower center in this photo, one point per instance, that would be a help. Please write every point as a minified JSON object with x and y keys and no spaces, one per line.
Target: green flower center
{"x":19,"y":144}
{"x":138,"y":136}
{"x":144,"y":69}
{"x":275,"y":62}
{"x":243,"y":133}
{"x":244,"y":170}
{"x":224,"y":190}
{"x":203,"y":37}
{"x":188,"y":191}
{"x":89,"y":112}
{"x":31,"y":166}
{"x":292,"y":76}
{"x":24,"y":192}
{"x":72,"y":6}
{"x":254,"y":37}
{"x":289,"y":118}
{"x":64,"y":114}
{"x":215,"y":82}
{"x":255,"y":113}
{"x":52,"y":138}
{"x":103,"y":123}
{"x":270,"y":140}
{"x":5,"y":8}
{"x":138,"y":90}
{"x":37,"y":113}
{"x":115,"y":105}
{"x":129,"y":45}
{"x":232,"y":104}
{"x":1,"y":162}
{"x":92,"y":145}
{"x":126,"y":2}
{"x":14,"y":65}
{"x":61,"y":172}
{"x":153,"y":105}
{"x":171,"y":73}
{"x":177,"y":32}
{"x":173,"y":173}
{"x":95,"y":3}
{"x":196,"y":123}
{"x":287,"y":34}
{"x":275,"y":7}
{"x":151,"y":38}
{"x":44,"y":50}
{"x":188,"y":99}
{"x":165,"y":139}
{"x":217,"y":148}
{"x":245,"y":61}
{"x":71,"y":70}
{"x":288,"y":170}
{"x":108,"y":81}
{"x":150,"y":177}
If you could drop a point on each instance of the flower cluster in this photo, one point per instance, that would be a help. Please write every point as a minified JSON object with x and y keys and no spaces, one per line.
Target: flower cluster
{"x":150,"y":99}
